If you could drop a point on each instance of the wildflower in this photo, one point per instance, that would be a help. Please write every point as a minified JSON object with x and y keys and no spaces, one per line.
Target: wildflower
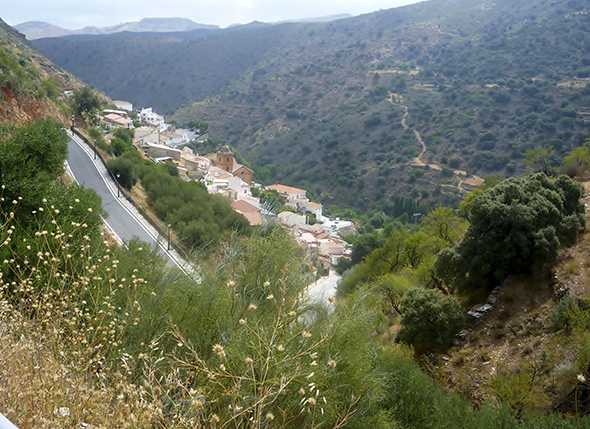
{"x":266,"y":283}
{"x":231,"y":284}
{"x":301,"y":391}
{"x":214,"y":418}
{"x":270,"y":416}
{"x":249,"y":360}
{"x":281,"y":348}
{"x":332,"y":363}
{"x":292,"y":314}
{"x":581,"y":378}
{"x":219,"y":350}
{"x":252,"y":307}
{"x":270,"y":297}
{"x":62,"y":412}
{"x":311,"y":401}
{"x":242,"y":321}
{"x":306,"y":334}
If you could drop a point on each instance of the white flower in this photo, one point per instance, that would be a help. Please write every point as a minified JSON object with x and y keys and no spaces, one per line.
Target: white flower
{"x":62,"y":412}
{"x":219,"y":350}
{"x":242,"y":321}
{"x":581,"y":378}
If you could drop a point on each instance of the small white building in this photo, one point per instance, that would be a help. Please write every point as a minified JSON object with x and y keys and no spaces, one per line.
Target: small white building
{"x":195,"y":165}
{"x":123,"y":105}
{"x":161,"y":151}
{"x":291,"y":219}
{"x":151,"y":118}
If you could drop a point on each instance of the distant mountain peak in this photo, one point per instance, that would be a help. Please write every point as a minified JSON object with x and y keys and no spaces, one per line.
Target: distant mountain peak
{"x":40,"y":30}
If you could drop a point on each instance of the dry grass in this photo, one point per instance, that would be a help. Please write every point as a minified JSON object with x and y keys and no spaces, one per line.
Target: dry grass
{"x":41,"y":388}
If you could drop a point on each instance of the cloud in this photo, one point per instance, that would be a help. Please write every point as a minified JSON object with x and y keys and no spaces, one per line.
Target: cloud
{"x":76,"y":13}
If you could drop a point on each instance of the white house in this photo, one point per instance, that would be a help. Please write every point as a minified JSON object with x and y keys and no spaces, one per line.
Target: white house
{"x":291,"y":219}
{"x":149,"y":117}
{"x":196,"y":166}
{"x":161,"y":151}
{"x":123,"y":105}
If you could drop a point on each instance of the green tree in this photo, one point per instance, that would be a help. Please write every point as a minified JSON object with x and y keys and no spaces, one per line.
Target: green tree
{"x":124,"y":170}
{"x":86,"y":104}
{"x":577,"y":162}
{"x":430,"y":320}
{"x":539,"y":159}
{"x":516,"y":226}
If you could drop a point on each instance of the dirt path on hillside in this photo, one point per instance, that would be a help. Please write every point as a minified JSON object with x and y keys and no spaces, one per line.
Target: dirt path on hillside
{"x":419,"y":161}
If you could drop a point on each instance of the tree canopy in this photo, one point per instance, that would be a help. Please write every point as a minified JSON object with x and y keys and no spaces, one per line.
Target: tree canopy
{"x":516,"y":226}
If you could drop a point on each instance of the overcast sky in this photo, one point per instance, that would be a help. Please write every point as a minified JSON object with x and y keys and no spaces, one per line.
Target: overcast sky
{"x":79,"y":13}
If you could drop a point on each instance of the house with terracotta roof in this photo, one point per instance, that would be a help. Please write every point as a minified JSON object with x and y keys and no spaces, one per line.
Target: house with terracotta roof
{"x":290,"y":193}
{"x":116,"y":120}
{"x":249,"y":211}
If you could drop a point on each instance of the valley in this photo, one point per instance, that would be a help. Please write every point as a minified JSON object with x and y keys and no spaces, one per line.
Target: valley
{"x":371,"y":221}
{"x":482,"y":82}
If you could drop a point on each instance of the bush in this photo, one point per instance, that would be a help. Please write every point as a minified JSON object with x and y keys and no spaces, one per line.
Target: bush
{"x":124,"y":170}
{"x":516,"y":226}
{"x":430,"y":320}
{"x":31,"y":158}
{"x":120,"y":146}
{"x":85,"y":103}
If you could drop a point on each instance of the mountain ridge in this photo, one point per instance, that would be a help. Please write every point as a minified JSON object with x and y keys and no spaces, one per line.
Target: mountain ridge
{"x":39,"y":29}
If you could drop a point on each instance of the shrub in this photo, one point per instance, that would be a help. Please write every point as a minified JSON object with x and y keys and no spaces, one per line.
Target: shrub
{"x":430,"y":320}
{"x":124,"y":170}
{"x":516,"y":226}
{"x":31,"y":158}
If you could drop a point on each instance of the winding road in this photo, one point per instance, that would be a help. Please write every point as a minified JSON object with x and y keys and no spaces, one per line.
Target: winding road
{"x":123,"y":220}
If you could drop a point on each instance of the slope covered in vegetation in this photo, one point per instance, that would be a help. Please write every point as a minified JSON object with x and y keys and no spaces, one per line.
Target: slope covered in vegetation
{"x":148,"y":347}
{"x":30,"y":85}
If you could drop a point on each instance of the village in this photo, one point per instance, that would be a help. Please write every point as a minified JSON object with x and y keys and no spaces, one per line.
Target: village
{"x":221,"y":173}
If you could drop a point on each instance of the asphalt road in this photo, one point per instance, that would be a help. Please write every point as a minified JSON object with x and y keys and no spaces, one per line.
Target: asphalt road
{"x":120,"y":220}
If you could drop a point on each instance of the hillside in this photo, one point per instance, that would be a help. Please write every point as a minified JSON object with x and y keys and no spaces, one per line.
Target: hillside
{"x":38,"y":29}
{"x":356,"y":109}
{"x":30,"y":85}
{"x":140,"y":65}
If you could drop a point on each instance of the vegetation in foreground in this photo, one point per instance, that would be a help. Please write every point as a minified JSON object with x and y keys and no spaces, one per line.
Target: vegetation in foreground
{"x":97,"y":331}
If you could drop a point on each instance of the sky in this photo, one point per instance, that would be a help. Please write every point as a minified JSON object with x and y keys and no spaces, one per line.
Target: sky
{"x":74,"y":14}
